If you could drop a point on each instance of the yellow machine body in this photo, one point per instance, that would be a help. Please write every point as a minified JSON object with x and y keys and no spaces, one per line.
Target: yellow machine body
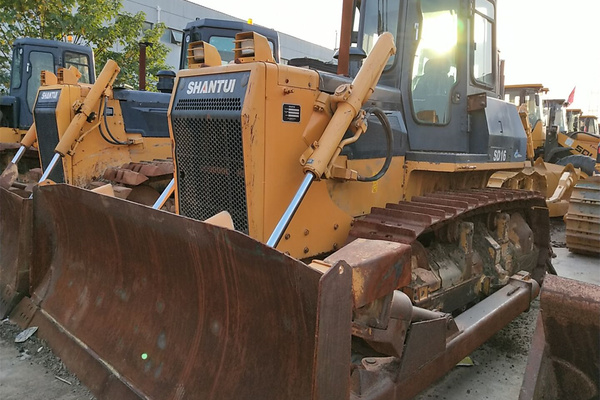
{"x":272,"y":175}
{"x":91,"y":155}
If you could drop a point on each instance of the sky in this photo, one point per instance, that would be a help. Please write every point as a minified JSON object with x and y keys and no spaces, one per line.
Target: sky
{"x":555,"y":43}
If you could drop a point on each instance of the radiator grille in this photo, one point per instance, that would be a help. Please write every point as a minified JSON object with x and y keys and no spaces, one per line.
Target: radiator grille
{"x":210,"y":168}
{"x":223,"y":104}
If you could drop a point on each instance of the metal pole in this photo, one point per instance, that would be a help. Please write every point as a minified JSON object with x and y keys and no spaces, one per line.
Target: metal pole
{"x":142,"y":85}
{"x":19,"y":154}
{"x":164,"y":195}
{"x":50,"y":167}
{"x":291,"y":210}
{"x":345,"y":38}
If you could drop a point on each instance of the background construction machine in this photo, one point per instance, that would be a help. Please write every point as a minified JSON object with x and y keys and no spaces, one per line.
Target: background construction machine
{"x":560,"y":154}
{"x":529,"y":96}
{"x":30,"y":58}
{"x":418,"y":263}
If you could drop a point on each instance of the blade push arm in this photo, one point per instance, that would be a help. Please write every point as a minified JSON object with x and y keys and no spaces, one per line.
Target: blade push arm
{"x":84,"y":113}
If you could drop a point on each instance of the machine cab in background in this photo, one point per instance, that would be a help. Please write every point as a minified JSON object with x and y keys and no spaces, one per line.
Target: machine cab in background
{"x":221,"y":34}
{"x":30,"y":58}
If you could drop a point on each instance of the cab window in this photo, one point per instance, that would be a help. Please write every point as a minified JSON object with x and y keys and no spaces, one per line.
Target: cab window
{"x":225,"y":46}
{"x":16,"y":68}
{"x":483,"y":43}
{"x":81,"y":62}
{"x":434,"y":67}
{"x":378,"y":18}
{"x":39,"y":61}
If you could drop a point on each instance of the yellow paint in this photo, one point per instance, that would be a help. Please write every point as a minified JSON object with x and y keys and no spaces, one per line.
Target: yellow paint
{"x":90,"y":155}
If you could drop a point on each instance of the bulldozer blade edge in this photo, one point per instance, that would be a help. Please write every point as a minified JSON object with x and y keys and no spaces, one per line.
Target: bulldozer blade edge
{"x":16,"y":246}
{"x":143,"y":303}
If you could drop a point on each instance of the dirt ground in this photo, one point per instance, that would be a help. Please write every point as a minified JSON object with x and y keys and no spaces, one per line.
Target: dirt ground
{"x":30,"y":371}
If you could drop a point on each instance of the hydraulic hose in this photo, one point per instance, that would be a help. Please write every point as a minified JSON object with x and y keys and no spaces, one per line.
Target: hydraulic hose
{"x":102,"y":111}
{"x":385,"y":123}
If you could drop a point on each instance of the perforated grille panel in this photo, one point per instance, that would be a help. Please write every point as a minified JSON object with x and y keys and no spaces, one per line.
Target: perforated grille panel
{"x":209,"y":104}
{"x":210,"y":161}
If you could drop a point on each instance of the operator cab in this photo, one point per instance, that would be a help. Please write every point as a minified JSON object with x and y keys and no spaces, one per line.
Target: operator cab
{"x":444,"y":80}
{"x":30,"y":58}
{"x":221,"y":34}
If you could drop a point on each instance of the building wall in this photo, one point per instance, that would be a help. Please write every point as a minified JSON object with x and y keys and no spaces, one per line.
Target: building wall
{"x":175,"y":14}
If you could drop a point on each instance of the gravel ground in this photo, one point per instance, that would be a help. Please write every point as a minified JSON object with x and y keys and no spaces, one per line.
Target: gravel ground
{"x":30,"y":371}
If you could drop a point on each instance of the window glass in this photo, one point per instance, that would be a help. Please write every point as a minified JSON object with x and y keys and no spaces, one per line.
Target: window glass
{"x":79,"y":61}
{"x":379,"y":17}
{"x":485,"y":7}
{"x":434,"y":67}
{"x":483,"y":46}
{"x":147,"y":25}
{"x":534,"y":109}
{"x":16,"y":68}
{"x":39,"y":62}
{"x":225,"y":47}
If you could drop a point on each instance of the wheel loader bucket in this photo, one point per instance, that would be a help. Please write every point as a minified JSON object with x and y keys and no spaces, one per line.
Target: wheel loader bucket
{"x":16,"y":248}
{"x":563,"y":360}
{"x":141,"y":303}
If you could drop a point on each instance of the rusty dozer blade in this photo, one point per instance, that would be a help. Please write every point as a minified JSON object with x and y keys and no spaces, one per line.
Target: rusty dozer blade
{"x":564,"y":355}
{"x":140,"y":303}
{"x":16,"y":247}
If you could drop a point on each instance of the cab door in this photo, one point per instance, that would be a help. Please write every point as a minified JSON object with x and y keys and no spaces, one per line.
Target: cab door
{"x":434,"y":82}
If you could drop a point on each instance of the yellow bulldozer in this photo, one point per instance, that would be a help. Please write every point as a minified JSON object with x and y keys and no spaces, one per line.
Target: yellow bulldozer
{"x":29,"y":58}
{"x":363,"y":256}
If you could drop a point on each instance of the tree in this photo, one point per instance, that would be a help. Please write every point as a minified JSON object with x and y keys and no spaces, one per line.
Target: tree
{"x":100,"y":24}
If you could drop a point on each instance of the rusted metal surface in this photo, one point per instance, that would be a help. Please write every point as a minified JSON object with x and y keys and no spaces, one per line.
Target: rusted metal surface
{"x":583,"y":217}
{"x":168,"y":307}
{"x":378,"y":268}
{"x":405,"y":221}
{"x":16,"y":248}
{"x":432,"y":347}
{"x":152,"y":168}
{"x":437,"y":212}
{"x":9,"y":175}
{"x":563,"y":360}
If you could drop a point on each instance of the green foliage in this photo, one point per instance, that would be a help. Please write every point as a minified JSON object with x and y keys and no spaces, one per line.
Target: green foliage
{"x":97,"y":23}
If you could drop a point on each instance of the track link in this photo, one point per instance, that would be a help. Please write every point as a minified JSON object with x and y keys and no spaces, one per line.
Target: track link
{"x":405,"y":221}
{"x":459,"y":247}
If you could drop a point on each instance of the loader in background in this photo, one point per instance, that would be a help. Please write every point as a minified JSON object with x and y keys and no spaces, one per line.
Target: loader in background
{"x":368,"y":257}
{"x":528,"y":98}
{"x":561,"y":156}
